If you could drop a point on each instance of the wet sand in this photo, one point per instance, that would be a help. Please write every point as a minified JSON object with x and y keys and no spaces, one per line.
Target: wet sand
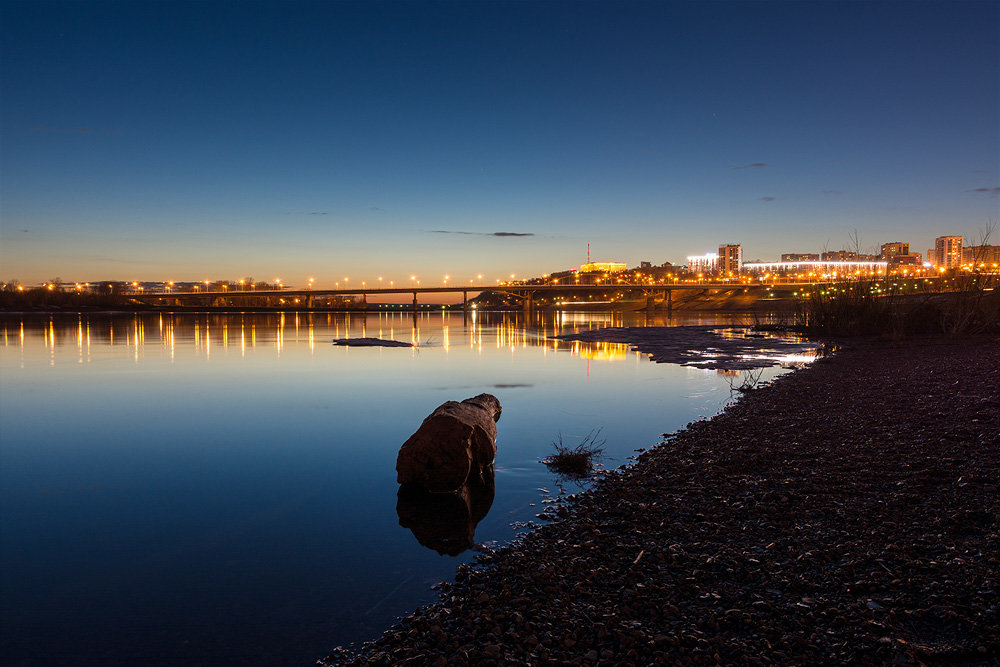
{"x":847,"y":513}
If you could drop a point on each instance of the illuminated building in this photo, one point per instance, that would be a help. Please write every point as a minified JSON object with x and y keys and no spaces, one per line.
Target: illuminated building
{"x":608,"y":267}
{"x":948,"y":252}
{"x":897,"y":253}
{"x":981,"y":254}
{"x":703,"y":263}
{"x":846,"y":256}
{"x":730,"y":258}
{"x":893,"y":249}
{"x":800,"y":257}
{"x":822,"y":268}
{"x":839,"y":256}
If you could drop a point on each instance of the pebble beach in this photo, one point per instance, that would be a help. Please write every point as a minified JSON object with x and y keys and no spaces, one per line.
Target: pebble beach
{"x":846,"y":513}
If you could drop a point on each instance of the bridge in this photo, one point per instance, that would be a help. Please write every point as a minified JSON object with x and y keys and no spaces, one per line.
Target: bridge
{"x":525,"y":293}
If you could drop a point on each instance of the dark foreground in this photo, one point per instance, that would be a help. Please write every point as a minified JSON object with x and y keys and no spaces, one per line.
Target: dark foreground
{"x":846,"y":514}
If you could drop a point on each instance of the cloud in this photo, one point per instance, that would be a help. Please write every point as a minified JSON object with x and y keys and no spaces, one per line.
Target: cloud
{"x":752,"y":165}
{"x":503,"y":234}
{"x":831,"y":192}
{"x":767,"y":198}
{"x":992,"y":192}
{"x":305,"y":213}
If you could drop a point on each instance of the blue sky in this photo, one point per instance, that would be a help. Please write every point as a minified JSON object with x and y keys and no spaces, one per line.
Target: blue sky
{"x":201,"y":140}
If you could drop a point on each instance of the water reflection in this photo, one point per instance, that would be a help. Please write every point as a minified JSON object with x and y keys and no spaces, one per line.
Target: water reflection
{"x":211,"y":335}
{"x":446,"y":522}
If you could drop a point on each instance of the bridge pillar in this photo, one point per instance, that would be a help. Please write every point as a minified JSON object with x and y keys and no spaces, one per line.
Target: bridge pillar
{"x":650,"y":303}
{"x":670,"y":301}
{"x":311,"y":301}
{"x":415,"y":302}
{"x":465,"y":300}
{"x":527,"y":302}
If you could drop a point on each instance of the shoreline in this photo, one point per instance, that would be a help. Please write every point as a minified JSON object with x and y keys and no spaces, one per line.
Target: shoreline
{"x":846,"y":513}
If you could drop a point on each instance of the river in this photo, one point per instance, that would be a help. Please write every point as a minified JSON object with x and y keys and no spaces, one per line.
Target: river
{"x":211,"y":489}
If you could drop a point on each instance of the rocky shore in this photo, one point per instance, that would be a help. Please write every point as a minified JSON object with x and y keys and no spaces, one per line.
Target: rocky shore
{"x":847,"y":513}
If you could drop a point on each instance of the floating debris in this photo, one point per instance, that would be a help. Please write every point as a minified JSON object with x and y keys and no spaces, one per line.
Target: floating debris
{"x":370,"y":342}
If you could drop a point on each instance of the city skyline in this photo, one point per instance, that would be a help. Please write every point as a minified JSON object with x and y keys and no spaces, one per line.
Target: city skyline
{"x":191,"y":141}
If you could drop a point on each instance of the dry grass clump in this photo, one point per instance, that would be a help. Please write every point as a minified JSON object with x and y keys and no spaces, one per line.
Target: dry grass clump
{"x":579,"y":460}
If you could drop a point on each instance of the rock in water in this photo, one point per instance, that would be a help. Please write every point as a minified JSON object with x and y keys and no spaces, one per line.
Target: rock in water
{"x":456,"y":442}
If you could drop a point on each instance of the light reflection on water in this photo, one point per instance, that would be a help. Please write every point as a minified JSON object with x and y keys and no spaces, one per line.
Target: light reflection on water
{"x":209,"y":488}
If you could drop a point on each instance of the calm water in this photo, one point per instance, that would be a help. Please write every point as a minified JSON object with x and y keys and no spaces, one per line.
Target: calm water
{"x":202,"y":489}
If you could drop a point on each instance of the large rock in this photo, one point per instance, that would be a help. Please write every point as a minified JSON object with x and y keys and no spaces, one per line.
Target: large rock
{"x":455,"y":443}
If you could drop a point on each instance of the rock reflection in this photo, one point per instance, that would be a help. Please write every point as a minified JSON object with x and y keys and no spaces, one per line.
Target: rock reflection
{"x":446,"y":522}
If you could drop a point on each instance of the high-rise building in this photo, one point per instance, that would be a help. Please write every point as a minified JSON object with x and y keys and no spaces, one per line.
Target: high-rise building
{"x":948,"y":251}
{"x":730,"y":258}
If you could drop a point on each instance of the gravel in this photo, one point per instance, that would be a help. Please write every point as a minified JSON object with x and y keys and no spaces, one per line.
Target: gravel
{"x":847,"y":513}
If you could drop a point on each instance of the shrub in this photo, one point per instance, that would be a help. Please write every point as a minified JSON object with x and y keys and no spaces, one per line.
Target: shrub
{"x":576,"y":461}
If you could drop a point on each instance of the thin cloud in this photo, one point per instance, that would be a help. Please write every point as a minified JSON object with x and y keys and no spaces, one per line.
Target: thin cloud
{"x":831,"y":192}
{"x":767,"y":198}
{"x":992,"y":192}
{"x":503,"y":234}
{"x":752,"y":165}
{"x":306,"y":213}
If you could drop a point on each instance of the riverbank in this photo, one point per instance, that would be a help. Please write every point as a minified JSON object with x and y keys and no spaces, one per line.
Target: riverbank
{"x":847,"y":513}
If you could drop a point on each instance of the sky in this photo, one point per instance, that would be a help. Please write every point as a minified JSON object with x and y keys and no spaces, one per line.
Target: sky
{"x":221,"y":140}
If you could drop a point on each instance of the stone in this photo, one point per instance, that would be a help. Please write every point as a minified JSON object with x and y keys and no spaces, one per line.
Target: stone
{"x":455,"y":443}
